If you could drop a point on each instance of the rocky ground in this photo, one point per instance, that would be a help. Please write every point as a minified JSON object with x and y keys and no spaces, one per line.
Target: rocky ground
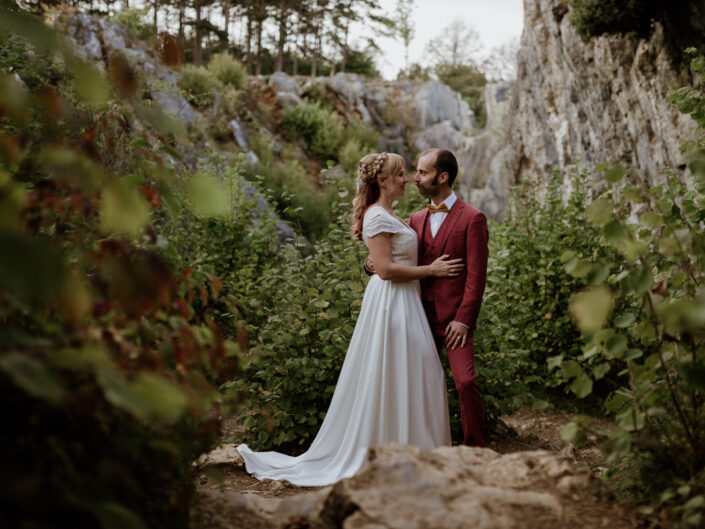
{"x":528,"y":478}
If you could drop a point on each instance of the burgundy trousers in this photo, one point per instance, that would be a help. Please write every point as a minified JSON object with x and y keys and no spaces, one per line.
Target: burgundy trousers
{"x":462,"y":364}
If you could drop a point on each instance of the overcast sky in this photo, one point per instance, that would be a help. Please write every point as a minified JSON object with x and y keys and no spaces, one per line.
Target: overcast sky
{"x":497,"y":21}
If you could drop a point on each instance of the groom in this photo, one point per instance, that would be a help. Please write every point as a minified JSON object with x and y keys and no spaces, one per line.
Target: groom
{"x":450,"y":226}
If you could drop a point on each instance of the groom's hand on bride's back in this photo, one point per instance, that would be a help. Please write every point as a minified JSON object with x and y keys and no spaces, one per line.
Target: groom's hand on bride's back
{"x":369,"y":267}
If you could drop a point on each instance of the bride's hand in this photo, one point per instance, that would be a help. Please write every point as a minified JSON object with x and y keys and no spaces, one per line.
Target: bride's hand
{"x":444,"y":267}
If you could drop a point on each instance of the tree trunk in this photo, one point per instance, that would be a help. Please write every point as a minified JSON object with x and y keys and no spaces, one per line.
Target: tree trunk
{"x":226,"y":16}
{"x":313,"y":59}
{"x":258,"y":60}
{"x":126,"y":4}
{"x":283,"y":19}
{"x":295,"y":63}
{"x":197,"y":51}
{"x":154,"y":17}
{"x":345,"y":51}
{"x":182,"y":9}
{"x":249,"y":44}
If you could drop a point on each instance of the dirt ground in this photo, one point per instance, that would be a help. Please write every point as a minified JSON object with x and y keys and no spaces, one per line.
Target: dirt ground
{"x":528,"y":430}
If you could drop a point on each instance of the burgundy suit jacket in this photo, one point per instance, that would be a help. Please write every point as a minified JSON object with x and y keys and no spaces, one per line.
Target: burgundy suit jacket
{"x":463,"y":235}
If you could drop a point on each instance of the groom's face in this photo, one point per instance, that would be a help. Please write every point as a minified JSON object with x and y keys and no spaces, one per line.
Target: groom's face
{"x":426,"y":178}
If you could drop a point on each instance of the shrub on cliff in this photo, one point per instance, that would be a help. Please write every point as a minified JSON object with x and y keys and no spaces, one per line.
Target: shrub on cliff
{"x":321,"y":128}
{"x":198,"y":85}
{"x":593,"y":18}
{"x":228,"y":70}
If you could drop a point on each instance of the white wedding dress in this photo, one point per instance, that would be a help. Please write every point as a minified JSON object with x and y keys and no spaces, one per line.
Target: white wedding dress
{"x":391,"y":386}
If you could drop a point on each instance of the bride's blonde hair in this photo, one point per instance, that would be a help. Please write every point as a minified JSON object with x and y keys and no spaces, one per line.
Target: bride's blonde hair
{"x":371,"y":170}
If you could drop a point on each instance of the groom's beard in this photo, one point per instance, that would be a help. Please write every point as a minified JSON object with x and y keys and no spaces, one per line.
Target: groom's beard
{"x":429,"y":189}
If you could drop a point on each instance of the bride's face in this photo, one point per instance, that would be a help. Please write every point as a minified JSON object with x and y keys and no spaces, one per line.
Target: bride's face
{"x":396,"y":183}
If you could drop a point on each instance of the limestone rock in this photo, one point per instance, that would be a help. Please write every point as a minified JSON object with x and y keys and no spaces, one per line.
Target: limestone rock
{"x":286,"y":100}
{"x":435,"y":103}
{"x":239,"y":133}
{"x":285,"y":83}
{"x":225,"y":454}
{"x":485,"y":179}
{"x":404,"y":487}
{"x":600,"y":101}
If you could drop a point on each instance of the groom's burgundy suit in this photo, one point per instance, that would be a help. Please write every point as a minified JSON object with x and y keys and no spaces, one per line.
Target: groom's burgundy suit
{"x":463,"y":234}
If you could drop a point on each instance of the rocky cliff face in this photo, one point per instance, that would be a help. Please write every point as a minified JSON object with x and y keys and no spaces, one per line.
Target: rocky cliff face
{"x":600,"y":101}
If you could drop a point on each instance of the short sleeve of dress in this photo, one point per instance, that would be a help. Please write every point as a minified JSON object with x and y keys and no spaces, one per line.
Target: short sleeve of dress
{"x":378,"y":221}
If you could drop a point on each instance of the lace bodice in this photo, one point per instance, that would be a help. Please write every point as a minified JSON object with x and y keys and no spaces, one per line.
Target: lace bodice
{"x":404,"y":239}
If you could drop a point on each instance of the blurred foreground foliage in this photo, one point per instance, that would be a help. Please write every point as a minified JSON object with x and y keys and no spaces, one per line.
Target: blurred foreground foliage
{"x":643,"y":322}
{"x":109,"y":355}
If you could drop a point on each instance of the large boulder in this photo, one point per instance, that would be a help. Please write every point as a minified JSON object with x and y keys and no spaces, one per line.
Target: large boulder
{"x":436,"y":102}
{"x":404,"y":487}
{"x":285,"y":83}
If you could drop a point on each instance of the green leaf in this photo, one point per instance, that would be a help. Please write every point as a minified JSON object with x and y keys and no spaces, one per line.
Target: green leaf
{"x":694,"y":376}
{"x":88,"y":355}
{"x":631,"y":420}
{"x":590,"y":308}
{"x":615,"y":174}
{"x":90,"y":84}
{"x":123,"y":210}
{"x":624,"y":320}
{"x":601,"y":370}
{"x":615,"y":233}
{"x":539,"y":405}
{"x":32,"y":376}
{"x":114,"y":516}
{"x":171,"y":151}
{"x":597,"y":274}
{"x":631,"y":354}
{"x":616,"y":345}
{"x":208,"y":197}
{"x":140,"y":142}
{"x":639,"y":281}
{"x":554,"y":361}
{"x":582,"y":386}
{"x":120,"y":393}
{"x":569,"y":432}
{"x":31,"y":268}
{"x":600,"y":211}
{"x":578,"y":267}
{"x":164,"y":398}
{"x":571,"y":369}
{"x":652,"y":219}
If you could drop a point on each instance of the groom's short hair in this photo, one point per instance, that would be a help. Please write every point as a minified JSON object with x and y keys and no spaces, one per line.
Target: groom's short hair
{"x":445,"y":163}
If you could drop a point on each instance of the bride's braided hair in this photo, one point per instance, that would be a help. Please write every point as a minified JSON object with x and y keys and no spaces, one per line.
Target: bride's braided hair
{"x":371,"y":170}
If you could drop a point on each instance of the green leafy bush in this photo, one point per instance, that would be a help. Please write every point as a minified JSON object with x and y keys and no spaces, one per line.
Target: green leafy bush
{"x":645,"y":319}
{"x":198,"y":85}
{"x":228,"y":70}
{"x":524,"y":328}
{"x":321,"y":128}
{"x":108,"y":354}
{"x":307,"y":309}
{"x":290,"y":188}
{"x":134,"y":22}
{"x":360,"y":140}
{"x":593,"y":18}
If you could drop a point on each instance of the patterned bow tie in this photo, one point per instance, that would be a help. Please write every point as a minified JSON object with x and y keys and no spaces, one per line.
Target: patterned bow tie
{"x":438,"y":209}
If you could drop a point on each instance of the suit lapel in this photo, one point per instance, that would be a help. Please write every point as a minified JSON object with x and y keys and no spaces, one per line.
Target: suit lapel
{"x":447,"y":227}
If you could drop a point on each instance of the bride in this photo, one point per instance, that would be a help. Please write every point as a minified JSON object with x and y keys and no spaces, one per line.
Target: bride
{"x":391,"y":386}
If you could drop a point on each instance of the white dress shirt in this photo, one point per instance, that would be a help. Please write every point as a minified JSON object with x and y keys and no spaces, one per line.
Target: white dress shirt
{"x":438,"y":217}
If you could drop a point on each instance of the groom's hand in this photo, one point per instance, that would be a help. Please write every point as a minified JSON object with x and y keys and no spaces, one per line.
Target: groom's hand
{"x":456,"y":335}
{"x":369,"y":266}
